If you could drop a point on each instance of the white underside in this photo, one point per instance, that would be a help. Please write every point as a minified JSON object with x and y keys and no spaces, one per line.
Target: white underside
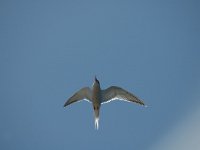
{"x":116,"y":98}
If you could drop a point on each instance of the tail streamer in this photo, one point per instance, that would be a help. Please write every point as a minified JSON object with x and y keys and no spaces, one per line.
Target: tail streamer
{"x":97,"y":123}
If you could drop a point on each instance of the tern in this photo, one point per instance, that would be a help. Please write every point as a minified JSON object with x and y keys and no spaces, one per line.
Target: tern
{"x":97,"y":97}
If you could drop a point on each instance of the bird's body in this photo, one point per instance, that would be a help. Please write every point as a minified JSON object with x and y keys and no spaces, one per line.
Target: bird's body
{"x":96,"y":101}
{"x":97,"y":97}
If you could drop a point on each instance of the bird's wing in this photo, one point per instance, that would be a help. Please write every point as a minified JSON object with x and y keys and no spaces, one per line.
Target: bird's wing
{"x":84,"y":93}
{"x":114,"y":92}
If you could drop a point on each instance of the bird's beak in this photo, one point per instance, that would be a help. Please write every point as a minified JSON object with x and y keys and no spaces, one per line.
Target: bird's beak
{"x":95,"y":78}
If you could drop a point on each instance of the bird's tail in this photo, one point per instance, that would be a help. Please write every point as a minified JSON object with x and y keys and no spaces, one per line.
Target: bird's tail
{"x":96,"y":122}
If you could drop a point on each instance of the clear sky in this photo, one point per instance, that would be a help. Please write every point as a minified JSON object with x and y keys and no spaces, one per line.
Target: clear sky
{"x":50,"y":49}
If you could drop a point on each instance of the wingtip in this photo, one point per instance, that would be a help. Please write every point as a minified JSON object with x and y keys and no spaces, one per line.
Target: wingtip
{"x":65,"y":105}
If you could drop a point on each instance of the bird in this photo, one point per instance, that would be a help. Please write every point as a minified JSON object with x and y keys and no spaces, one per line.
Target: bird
{"x":97,"y":96}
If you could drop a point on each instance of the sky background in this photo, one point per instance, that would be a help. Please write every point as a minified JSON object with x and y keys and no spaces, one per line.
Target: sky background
{"x":50,"y":49}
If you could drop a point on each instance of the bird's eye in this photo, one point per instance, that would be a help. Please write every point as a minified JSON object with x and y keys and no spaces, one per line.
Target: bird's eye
{"x":94,"y":107}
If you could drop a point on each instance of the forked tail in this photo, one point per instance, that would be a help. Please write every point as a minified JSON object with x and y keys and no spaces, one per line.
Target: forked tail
{"x":96,"y":122}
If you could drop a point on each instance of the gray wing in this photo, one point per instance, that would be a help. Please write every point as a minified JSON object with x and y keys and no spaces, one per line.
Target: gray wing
{"x":84,"y":93}
{"x":114,"y":92}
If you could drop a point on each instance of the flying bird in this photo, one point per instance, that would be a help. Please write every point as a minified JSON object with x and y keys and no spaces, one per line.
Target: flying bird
{"x":97,"y":96}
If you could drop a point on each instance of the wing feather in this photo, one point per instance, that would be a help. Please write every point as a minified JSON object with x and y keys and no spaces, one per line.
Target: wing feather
{"x":84,"y":93}
{"x":114,"y":92}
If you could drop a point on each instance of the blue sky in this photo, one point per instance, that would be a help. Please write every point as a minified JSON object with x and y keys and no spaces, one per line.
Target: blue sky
{"x":50,"y":49}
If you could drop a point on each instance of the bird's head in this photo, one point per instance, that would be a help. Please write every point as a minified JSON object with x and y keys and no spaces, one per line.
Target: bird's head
{"x":95,"y":80}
